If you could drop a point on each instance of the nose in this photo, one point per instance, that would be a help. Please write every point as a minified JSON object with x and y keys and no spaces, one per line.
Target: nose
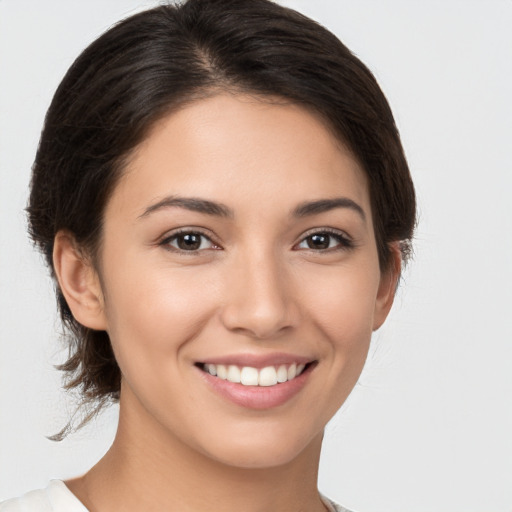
{"x":260,"y":302}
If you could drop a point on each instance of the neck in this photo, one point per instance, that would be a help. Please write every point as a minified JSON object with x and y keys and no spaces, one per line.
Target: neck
{"x":148,"y":469}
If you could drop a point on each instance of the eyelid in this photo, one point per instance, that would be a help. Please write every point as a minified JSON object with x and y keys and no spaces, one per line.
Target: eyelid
{"x":165,"y":239}
{"x":346,"y":241}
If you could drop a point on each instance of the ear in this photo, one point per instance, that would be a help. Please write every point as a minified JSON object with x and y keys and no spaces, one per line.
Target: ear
{"x":387,"y":286}
{"x":79,"y":282}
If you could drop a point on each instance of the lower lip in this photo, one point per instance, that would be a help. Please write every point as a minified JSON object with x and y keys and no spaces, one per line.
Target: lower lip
{"x":258,"y":397}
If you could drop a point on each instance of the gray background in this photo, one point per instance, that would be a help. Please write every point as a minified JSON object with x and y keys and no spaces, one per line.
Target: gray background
{"x":429,"y":426}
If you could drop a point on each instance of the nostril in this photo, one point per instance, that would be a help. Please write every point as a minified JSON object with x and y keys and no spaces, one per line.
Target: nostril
{"x":260,"y":304}
{"x":259,"y":323}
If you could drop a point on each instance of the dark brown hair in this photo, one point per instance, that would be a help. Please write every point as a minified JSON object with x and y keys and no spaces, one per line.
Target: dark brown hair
{"x":159,"y":60}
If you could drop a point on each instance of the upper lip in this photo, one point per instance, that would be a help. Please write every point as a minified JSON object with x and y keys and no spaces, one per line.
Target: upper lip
{"x":258,"y":360}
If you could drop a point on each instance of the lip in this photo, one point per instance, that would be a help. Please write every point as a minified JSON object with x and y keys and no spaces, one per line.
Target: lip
{"x":258,"y":397}
{"x":258,"y":360}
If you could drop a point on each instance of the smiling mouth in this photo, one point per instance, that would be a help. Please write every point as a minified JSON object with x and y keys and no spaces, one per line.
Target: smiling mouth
{"x":250,"y":376}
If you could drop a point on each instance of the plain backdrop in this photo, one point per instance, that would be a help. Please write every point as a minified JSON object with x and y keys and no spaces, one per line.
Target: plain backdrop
{"x":429,"y":426}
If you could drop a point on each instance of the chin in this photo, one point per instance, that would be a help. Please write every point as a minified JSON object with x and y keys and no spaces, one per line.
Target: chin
{"x":261,"y":452}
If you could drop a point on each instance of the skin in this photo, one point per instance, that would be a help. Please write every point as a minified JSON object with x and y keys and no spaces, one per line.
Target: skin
{"x":254,"y":286}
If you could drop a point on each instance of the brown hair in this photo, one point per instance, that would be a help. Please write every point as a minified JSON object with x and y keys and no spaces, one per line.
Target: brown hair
{"x":158,"y":60}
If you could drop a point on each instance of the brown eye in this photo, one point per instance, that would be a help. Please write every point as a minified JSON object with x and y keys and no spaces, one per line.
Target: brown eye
{"x":188,"y":241}
{"x":325,"y":240}
{"x":319,"y":241}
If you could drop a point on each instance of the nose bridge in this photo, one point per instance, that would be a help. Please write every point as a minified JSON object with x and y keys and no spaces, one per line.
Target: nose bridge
{"x":258,"y":298}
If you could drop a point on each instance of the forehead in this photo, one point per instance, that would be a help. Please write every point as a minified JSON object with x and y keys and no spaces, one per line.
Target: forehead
{"x":239,"y":149}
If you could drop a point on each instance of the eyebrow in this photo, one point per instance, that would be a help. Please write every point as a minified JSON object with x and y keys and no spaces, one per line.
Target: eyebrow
{"x":190,"y":203}
{"x":325,"y":205}
{"x":220,"y":210}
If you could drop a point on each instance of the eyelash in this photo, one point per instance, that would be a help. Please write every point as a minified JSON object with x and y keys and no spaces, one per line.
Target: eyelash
{"x":343,"y":241}
{"x":166,"y":242}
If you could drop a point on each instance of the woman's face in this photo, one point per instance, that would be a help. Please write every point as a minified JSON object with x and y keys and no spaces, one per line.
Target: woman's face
{"x":240,"y":242}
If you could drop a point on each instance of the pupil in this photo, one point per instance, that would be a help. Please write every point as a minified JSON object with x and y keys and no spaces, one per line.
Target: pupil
{"x":189,"y":242}
{"x":318,"y":241}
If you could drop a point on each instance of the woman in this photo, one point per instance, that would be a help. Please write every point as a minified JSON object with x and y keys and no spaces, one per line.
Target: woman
{"x":222,"y":197}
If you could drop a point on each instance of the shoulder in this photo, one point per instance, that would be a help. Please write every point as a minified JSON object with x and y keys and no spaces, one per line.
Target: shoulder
{"x":55,"y":498}
{"x":331,"y":506}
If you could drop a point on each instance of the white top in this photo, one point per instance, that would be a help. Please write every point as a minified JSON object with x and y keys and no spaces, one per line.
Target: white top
{"x":58,"y":498}
{"x":55,"y":498}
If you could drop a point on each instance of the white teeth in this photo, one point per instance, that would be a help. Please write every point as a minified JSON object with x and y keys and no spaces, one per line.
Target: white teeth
{"x":222,"y":371}
{"x":268,"y":376}
{"x":233,"y":373}
{"x":282,"y":373}
{"x":249,"y":376}
{"x":292,"y":371}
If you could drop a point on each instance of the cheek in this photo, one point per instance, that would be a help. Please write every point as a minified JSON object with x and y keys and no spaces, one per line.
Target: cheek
{"x":342,"y":305}
{"x":151,"y":313}
{"x":344,"y":314}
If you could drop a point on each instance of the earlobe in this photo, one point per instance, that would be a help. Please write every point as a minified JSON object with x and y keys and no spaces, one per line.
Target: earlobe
{"x":79,"y":282}
{"x":387,"y":287}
